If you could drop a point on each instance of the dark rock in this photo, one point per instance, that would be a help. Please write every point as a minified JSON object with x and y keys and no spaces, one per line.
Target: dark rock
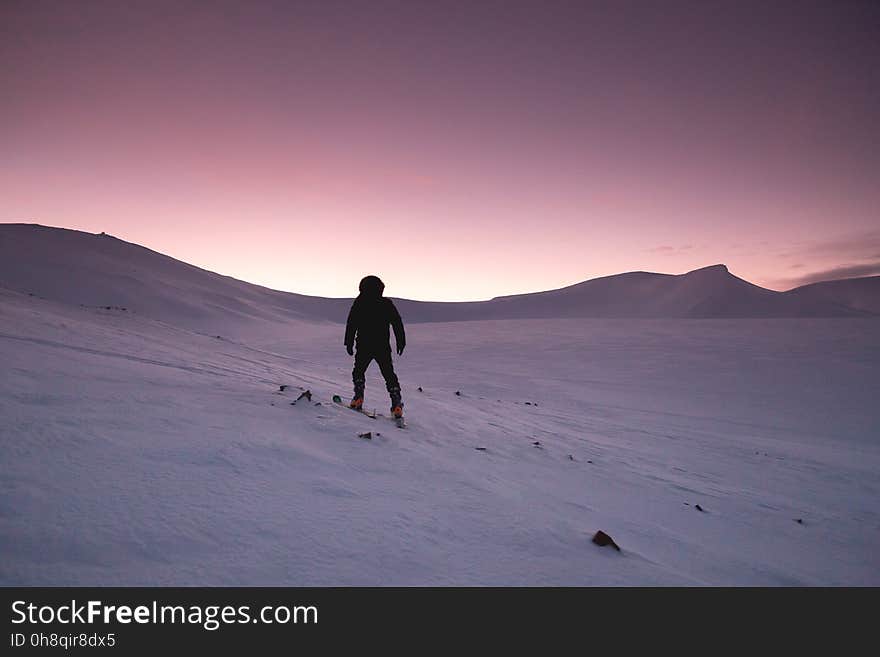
{"x":458,"y":393}
{"x":589,"y":461}
{"x":570,"y":457}
{"x":480,"y":449}
{"x":420,"y":389}
{"x":799,"y":521}
{"x":318,"y":404}
{"x":282,"y":388}
{"x":537,"y":442}
{"x":366,"y":436}
{"x":602,"y":539}
{"x":528,"y":403}
{"x":307,"y":394}
{"x":699,"y":508}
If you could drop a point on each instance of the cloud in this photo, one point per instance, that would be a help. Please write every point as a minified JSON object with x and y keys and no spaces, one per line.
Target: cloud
{"x":848,"y":256}
{"x":842,"y":271}
{"x":669,"y":250}
{"x":857,"y":246}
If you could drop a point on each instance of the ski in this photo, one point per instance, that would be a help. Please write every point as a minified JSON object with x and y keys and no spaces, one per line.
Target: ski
{"x":371,"y":414}
{"x":400,"y":422}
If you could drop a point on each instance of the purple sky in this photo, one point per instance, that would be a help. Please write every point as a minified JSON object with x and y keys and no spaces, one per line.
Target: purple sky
{"x":458,"y":150}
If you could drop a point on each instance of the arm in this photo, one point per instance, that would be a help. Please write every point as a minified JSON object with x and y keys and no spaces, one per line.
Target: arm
{"x":397,"y":325}
{"x":351,"y":327}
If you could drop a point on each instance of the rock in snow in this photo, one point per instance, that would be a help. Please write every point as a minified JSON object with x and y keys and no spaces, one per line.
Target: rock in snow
{"x":602,"y":539}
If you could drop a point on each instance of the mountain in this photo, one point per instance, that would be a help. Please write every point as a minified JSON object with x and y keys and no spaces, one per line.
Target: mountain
{"x":703,"y":293}
{"x":859,"y":293}
{"x":708,"y":292}
{"x":100,"y":270}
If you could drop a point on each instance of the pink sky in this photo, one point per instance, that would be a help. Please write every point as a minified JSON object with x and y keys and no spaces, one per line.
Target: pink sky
{"x":459,"y":151}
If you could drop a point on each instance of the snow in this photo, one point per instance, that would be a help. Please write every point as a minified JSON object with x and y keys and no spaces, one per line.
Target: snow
{"x":141,"y":450}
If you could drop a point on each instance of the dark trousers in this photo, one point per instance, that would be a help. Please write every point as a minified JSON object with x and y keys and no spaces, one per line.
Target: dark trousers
{"x":362,"y":360}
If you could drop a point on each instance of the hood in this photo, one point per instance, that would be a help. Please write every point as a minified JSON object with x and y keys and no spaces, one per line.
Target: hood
{"x":371,"y":286}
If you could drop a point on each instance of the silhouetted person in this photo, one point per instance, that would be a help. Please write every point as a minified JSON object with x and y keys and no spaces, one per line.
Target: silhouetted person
{"x":368,"y":320}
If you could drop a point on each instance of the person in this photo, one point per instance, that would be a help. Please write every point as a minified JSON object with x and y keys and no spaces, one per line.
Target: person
{"x":367,"y":327}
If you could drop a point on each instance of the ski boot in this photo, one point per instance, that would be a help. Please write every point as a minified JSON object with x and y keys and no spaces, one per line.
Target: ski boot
{"x":396,"y":406}
{"x":357,"y":402}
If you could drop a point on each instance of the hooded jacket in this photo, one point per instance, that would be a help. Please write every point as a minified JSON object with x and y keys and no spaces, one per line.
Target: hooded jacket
{"x":369,"y":319}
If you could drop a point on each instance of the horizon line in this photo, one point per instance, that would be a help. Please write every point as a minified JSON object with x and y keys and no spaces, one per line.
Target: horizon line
{"x":444,"y":301}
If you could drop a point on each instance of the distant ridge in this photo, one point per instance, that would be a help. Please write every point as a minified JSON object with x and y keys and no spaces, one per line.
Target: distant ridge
{"x":861,"y":294}
{"x":82,"y":268}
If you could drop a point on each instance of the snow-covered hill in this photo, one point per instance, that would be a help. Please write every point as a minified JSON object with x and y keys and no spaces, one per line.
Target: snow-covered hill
{"x":100,"y":270}
{"x":703,"y":293}
{"x":861,"y":294}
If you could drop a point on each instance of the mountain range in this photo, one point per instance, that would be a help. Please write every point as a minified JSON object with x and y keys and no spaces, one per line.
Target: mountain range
{"x":88,"y":269}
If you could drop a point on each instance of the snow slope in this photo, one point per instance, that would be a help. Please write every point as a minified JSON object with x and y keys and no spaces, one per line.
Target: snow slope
{"x":139,"y":451}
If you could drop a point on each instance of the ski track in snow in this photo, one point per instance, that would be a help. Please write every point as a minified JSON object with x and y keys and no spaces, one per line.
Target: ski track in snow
{"x":138,"y":453}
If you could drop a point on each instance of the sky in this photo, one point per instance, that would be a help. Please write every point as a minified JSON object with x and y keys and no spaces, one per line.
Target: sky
{"x":459,"y":150}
